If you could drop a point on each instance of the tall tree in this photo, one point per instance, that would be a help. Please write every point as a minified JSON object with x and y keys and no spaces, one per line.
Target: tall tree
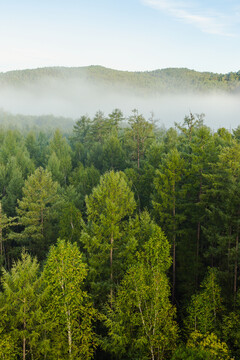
{"x":206,"y":306}
{"x":141,"y":322}
{"x":21,"y":310}
{"x":60,"y":154}
{"x":39,"y":195}
{"x":167,"y":200}
{"x":68,"y":308}
{"x":138,"y":136}
{"x":108,"y":207}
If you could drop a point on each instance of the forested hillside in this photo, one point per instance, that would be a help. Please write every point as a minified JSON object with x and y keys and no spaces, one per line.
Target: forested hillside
{"x":120,"y":240}
{"x":41,"y":122}
{"x":171,"y":80}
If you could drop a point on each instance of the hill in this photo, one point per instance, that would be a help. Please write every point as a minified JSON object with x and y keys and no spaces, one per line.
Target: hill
{"x":172,"y":80}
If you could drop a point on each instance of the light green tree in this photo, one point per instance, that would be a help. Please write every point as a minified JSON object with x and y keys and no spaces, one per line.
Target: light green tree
{"x":39,"y":195}
{"x":206,"y":306}
{"x":141,"y":322}
{"x":108,"y":209}
{"x":20,"y":310}
{"x":138,"y":136}
{"x":69,"y":311}
{"x":59,"y":163}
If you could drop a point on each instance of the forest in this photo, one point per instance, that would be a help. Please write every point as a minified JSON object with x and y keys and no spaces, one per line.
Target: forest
{"x":173,"y":80}
{"x":120,"y":240}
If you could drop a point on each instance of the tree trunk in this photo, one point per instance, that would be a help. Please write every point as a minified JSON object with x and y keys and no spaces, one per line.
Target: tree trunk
{"x":69,"y":333}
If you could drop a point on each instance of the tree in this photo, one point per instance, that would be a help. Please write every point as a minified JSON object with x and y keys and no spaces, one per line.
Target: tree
{"x":39,"y":195}
{"x":69,"y":311}
{"x":206,"y":306}
{"x":108,"y":208}
{"x":222,"y":229}
{"x":141,"y":321}
{"x":138,"y":136}
{"x":5,"y":224}
{"x":20,"y":309}
{"x":60,"y":154}
{"x":167,"y":200}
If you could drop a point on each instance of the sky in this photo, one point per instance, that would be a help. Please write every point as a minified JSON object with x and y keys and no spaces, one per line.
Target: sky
{"x":133,"y":35}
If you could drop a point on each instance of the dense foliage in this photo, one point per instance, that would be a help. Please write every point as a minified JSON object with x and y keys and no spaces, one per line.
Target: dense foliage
{"x":172,"y":80}
{"x":120,"y":241}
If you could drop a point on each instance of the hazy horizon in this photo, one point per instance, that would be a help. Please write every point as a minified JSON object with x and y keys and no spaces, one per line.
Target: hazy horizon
{"x":72,"y":99}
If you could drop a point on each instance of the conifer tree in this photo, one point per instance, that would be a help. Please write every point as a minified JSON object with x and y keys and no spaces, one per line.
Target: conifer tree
{"x":108,"y":207}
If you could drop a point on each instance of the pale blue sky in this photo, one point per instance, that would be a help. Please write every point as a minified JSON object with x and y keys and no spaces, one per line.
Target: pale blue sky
{"x":121,"y":34}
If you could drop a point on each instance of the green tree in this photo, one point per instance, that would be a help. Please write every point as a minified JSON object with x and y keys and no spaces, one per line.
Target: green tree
{"x":69,"y":311}
{"x":108,"y":208}
{"x":167,"y":200}
{"x":59,"y":163}
{"x":20,"y":309}
{"x":138,"y":136}
{"x":206,"y":306}
{"x":35,"y":208}
{"x":141,"y":322}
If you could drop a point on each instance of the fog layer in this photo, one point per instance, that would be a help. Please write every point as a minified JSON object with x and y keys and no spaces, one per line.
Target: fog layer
{"x":72,"y":98}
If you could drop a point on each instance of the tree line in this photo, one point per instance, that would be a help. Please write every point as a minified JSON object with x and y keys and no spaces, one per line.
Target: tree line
{"x":120,"y":241}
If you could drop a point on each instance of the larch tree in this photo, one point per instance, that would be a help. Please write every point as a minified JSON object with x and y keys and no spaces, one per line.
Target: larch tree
{"x":167,"y":200}
{"x":21,"y":310}
{"x":69,"y":311}
{"x":108,"y":207}
{"x":141,"y":321}
{"x":39,"y":195}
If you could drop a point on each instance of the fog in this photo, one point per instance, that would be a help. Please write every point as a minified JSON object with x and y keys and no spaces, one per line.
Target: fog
{"x":71,"y":98}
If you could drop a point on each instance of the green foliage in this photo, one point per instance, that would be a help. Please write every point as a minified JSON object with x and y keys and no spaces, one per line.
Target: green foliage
{"x":59,"y":163}
{"x":141,"y":321}
{"x":108,"y":208}
{"x":68,"y":309}
{"x":20,"y":307}
{"x":206,"y":306}
{"x":34,"y":210}
{"x":187,"y":178}
{"x":214,"y":348}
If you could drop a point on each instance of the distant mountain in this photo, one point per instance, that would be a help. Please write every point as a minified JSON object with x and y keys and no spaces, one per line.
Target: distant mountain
{"x":172,"y":80}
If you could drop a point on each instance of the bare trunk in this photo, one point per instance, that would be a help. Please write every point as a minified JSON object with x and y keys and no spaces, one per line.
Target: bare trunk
{"x":69,"y":333}
{"x":68,"y":319}
{"x":152,"y":353}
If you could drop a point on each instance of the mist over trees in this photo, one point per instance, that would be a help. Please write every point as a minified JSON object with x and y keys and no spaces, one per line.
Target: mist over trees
{"x":52,"y":97}
{"x":120,"y":240}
